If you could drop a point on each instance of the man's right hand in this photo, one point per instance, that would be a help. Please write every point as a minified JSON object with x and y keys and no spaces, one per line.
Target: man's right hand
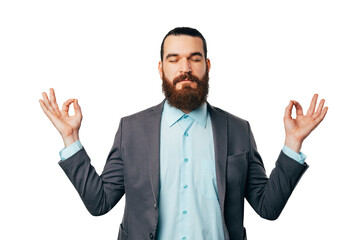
{"x":68,"y":126}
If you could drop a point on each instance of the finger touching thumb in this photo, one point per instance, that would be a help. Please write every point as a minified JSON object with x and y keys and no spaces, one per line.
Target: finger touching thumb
{"x":76,"y":106}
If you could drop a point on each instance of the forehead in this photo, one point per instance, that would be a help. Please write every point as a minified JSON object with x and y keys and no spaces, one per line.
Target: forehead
{"x":182,"y":45}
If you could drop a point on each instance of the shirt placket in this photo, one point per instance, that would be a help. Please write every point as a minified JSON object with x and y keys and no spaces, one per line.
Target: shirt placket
{"x":186,"y":173}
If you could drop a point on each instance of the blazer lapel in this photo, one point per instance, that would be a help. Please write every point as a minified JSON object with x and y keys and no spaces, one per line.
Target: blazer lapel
{"x":153,"y":121}
{"x":219,"y":128}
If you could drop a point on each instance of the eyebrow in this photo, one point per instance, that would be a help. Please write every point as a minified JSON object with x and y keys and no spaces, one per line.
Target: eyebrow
{"x":176,"y":55}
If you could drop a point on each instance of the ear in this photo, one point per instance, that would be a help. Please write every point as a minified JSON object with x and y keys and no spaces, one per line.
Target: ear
{"x":208,"y":62}
{"x":160,"y":69}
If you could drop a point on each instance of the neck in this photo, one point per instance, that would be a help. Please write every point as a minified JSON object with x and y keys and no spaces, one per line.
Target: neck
{"x":185,"y":111}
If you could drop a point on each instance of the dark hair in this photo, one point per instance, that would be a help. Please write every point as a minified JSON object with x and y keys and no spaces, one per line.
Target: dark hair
{"x":184,"y":31}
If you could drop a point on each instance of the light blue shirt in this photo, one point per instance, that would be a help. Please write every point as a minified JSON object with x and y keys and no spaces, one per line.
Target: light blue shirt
{"x":188,"y":199}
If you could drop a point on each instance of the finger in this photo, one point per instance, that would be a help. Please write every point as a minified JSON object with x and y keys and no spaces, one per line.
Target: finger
{"x":311,"y":110}
{"x":54,"y":119}
{"x":47,"y":103}
{"x":319,"y":109}
{"x":45,"y":108}
{"x":65,"y":109}
{"x":288,"y":111}
{"x":299,"y":110}
{"x":322,"y":115}
{"x":53,"y":101}
{"x":48,"y":113}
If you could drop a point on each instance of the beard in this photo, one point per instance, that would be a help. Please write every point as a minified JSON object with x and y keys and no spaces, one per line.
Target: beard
{"x":186,"y":98}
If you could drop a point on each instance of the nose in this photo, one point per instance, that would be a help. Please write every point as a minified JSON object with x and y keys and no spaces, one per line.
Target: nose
{"x":185,"y":66}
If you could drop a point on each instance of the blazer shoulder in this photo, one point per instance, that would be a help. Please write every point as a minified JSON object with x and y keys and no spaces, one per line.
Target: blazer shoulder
{"x":231,"y":118}
{"x":142,"y":114}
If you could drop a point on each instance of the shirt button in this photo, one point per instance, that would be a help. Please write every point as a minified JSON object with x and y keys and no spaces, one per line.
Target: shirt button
{"x":151,"y":235}
{"x":184,"y":238}
{"x":186,"y":134}
{"x":186,"y":159}
{"x":184,"y":212}
{"x":185,"y":116}
{"x":185,"y":186}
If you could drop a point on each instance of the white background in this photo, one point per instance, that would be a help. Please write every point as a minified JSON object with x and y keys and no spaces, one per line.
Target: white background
{"x":105,"y":53}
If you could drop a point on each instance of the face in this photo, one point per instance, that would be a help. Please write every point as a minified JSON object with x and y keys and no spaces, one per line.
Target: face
{"x":184,"y":72}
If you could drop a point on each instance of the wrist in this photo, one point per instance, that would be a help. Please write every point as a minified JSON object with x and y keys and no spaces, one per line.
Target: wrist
{"x":293,"y":144}
{"x":68,"y":140}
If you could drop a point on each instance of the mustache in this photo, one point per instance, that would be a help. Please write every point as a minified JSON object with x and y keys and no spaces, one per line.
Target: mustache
{"x":188,"y":76}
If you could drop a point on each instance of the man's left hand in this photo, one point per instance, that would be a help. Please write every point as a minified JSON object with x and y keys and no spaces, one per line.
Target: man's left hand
{"x":299,"y":128}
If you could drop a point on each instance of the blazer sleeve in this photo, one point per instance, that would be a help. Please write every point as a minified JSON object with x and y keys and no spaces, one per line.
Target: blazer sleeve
{"x":268,"y":196}
{"x":99,"y":193}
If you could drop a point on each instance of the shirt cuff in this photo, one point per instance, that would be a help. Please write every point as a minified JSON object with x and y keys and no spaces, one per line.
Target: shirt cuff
{"x":299,"y":157}
{"x":69,"y":151}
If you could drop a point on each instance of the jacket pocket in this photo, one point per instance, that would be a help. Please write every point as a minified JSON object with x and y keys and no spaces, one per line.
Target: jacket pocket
{"x":237,"y":168}
{"x":237,"y":157}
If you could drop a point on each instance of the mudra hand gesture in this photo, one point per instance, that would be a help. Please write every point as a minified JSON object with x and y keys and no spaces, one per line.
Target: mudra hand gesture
{"x":299,"y":128}
{"x":68,"y":126}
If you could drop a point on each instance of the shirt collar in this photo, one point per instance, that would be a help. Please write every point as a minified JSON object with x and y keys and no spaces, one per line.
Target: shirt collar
{"x":172,"y":114}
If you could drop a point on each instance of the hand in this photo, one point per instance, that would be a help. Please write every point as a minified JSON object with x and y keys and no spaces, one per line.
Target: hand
{"x":68,"y":126}
{"x":298,"y":129}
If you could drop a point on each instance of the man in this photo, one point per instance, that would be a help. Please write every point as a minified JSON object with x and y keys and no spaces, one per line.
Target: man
{"x":184,"y":166}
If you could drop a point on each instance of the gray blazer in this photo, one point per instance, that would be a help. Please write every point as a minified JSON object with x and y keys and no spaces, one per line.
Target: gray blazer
{"x":132,"y":168}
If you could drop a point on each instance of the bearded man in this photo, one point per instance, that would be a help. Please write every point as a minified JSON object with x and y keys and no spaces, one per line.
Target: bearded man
{"x":184,"y":166}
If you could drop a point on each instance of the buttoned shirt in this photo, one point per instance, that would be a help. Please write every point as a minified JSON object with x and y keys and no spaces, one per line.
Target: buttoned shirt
{"x":188,"y":199}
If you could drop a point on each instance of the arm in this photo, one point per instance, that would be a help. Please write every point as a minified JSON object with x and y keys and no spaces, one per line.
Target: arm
{"x":268,"y":196}
{"x":99,"y":193}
